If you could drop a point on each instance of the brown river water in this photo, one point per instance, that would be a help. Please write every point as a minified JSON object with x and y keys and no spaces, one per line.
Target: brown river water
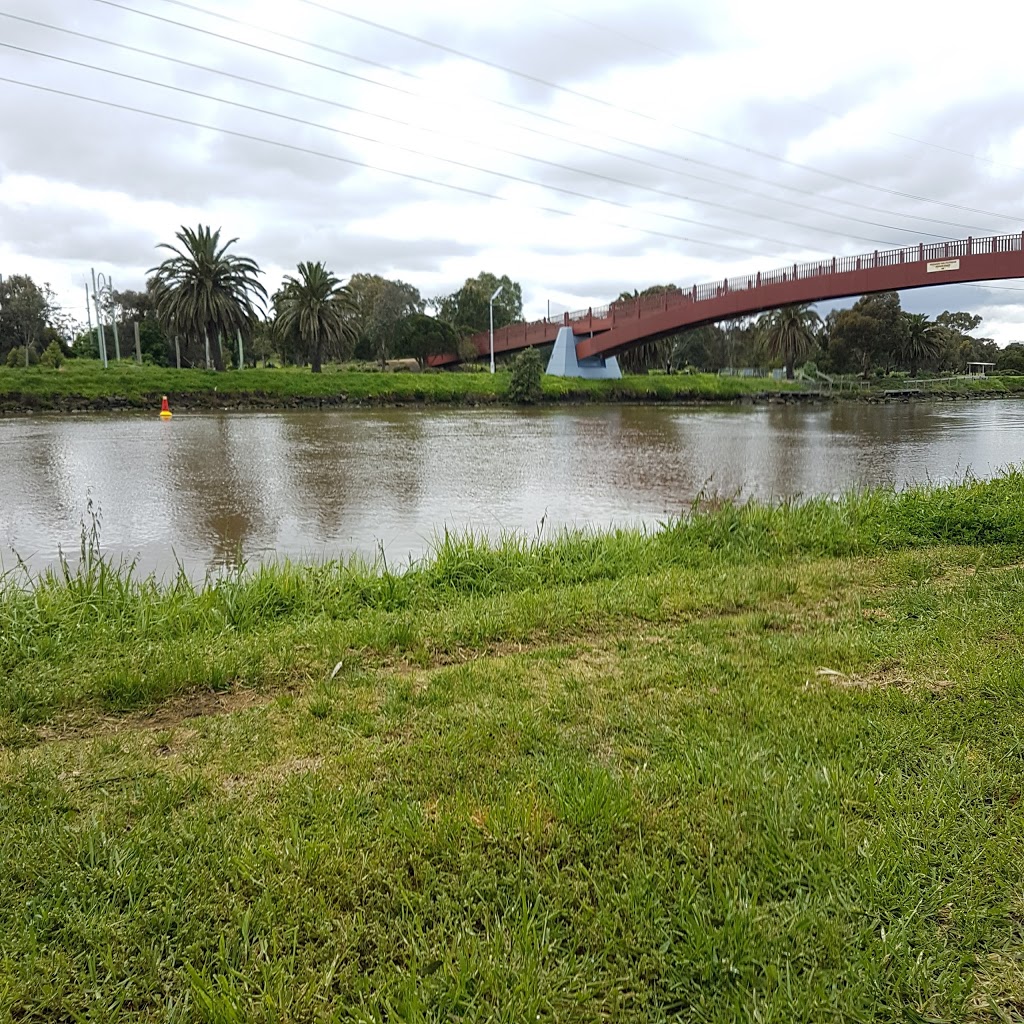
{"x":209,"y":490}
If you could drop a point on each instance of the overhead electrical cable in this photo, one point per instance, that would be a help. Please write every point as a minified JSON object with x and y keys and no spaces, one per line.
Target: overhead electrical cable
{"x":641,"y":114}
{"x":464,"y":165}
{"x":408,"y":124}
{"x":465,"y":189}
{"x":522,"y":110}
{"x":805,"y":103}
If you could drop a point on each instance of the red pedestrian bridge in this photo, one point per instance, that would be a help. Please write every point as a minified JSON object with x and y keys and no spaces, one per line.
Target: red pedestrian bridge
{"x":606,"y":330}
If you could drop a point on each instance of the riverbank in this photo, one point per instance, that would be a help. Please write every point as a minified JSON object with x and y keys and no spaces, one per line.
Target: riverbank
{"x":83,"y":386}
{"x":763,"y":761}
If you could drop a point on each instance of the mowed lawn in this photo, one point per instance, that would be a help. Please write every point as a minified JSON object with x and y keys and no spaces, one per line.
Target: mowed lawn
{"x":765,"y":765}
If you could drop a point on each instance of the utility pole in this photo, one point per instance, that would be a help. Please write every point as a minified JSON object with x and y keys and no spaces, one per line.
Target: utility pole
{"x":113,"y":317}
{"x":177,"y":352}
{"x":138,"y":344}
{"x":241,"y":353}
{"x":88,"y":311}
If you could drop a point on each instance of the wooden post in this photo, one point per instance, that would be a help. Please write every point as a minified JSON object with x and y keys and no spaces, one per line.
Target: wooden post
{"x":138,"y":345}
{"x":177,"y":352}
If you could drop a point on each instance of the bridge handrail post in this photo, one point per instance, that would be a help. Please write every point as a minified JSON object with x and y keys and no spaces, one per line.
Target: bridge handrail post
{"x":970,"y":246}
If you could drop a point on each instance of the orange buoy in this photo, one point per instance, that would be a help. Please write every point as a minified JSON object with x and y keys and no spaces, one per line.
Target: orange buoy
{"x":165,"y":409}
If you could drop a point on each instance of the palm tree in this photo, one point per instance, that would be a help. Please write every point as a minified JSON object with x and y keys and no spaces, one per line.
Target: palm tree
{"x":319,"y":309}
{"x":921,"y":340}
{"x":790,"y":334}
{"x":204,"y":291}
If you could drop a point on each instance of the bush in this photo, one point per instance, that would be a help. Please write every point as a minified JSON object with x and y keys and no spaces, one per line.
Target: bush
{"x":524,"y":388}
{"x":53,"y":356}
{"x":16,"y":357}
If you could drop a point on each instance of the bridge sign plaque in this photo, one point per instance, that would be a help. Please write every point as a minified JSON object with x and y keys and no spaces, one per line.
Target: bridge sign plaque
{"x":937,"y":265}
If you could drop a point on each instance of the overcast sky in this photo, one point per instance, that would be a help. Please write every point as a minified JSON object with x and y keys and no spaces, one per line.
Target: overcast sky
{"x":583,"y":148}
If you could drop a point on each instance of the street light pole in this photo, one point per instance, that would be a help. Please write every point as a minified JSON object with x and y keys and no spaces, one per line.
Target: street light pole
{"x":493,"y":297}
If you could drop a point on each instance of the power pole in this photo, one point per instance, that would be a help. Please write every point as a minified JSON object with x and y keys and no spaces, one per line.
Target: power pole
{"x":241,"y":353}
{"x":138,"y":344}
{"x":117,"y":341}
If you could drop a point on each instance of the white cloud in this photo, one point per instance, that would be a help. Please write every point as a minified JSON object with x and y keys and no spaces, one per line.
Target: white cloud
{"x":842,"y":89}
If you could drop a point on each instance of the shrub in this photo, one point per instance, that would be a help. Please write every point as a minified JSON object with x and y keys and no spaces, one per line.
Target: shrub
{"x":525,"y":388}
{"x":16,"y":357}
{"x":53,"y":356}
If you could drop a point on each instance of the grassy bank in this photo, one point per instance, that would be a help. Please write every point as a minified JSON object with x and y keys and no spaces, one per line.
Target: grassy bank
{"x":83,"y":384}
{"x":937,"y":388}
{"x":765,"y":764}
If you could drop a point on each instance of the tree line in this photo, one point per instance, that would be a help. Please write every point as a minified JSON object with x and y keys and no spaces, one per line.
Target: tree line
{"x":205,"y":305}
{"x":873,"y":336}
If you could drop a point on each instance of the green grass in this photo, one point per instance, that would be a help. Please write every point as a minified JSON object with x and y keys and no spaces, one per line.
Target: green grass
{"x":84,"y":384}
{"x":947,"y":387}
{"x":764,"y":764}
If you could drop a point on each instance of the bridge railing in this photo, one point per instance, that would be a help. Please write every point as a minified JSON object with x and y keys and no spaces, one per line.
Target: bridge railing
{"x":599,"y":316}
{"x":923,"y":253}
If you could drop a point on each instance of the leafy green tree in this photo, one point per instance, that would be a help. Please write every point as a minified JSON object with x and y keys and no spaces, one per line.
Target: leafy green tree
{"x":203,"y":291}
{"x":790,"y":334}
{"x":1011,"y":358}
{"x":25,"y":310}
{"x":318,"y":309}
{"x":527,"y":370}
{"x":691,"y":349}
{"x":868,"y":334}
{"x":53,"y":356}
{"x":958,"y":347}
{"x":468,"y":309}
{"x":421,"y":336}
{"x":921,"y":341}
{"x":381,"y":305}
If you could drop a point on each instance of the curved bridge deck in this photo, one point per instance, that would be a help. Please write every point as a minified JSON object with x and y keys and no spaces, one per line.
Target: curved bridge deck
{"x":610,"y":329}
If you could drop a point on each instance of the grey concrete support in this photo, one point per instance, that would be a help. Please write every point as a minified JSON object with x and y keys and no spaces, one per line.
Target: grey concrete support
{"x":564,"y":363}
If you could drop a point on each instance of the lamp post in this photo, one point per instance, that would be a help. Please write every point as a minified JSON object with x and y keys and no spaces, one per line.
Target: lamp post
{"x":493,"y":297}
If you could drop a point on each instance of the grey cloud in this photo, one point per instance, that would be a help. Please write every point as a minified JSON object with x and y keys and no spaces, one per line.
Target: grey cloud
{"x":71,"y":233}
{"x":287,"y":244}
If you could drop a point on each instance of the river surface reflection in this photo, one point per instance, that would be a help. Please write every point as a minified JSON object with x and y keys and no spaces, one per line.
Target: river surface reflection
{"x":208,"y":490}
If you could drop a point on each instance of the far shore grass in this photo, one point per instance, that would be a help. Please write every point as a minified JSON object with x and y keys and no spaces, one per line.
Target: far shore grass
{"x":84,"y":384}
{"x":763,"y":763}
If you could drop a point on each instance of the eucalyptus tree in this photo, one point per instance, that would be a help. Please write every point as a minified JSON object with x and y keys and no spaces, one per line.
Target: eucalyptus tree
{"x":790,"y":334}
{"x":204,"y":291}
{"x":319,"y":310}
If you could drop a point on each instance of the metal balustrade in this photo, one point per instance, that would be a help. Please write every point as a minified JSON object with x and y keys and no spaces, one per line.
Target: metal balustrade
{"x":604,"y":317}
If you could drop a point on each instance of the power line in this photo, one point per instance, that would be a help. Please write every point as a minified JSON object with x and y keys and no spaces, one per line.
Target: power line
{"x":409,"y":124}
{"x":480,"y":193}
{"x":610,"y":105}
{"x":807,"y":103}
{"x":389,"y":145}
{"x":523,"y":110}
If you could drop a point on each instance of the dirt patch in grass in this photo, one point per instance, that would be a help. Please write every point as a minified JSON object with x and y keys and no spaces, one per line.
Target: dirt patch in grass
{"x":164,"y":718}
{"x":887,"y":675}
